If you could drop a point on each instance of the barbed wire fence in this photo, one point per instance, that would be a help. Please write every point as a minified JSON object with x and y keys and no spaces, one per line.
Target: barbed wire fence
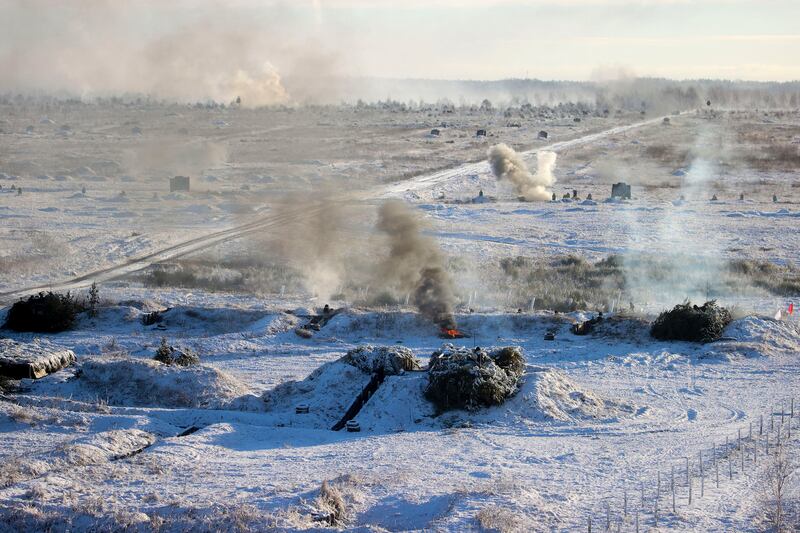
{"x":658,"y":499}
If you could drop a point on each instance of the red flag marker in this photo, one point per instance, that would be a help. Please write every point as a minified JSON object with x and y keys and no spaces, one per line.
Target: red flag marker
{"x":791,"y":308}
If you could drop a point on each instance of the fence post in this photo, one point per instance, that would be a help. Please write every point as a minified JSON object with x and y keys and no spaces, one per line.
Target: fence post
{"x":590,"y":524}
{"x":760,"y":424}
{"x":625,"y":503}
{"x":608,"y":516}
{"x":641,"y":488}
{"x":702,"y":476}
{"x":637,"y":521}
{"x":739,"y":441}
{"x":741,"y":452}
{"x":782,"y":410}
{"x":730,"y":467}
{"x":766,"y":445}
{"x":716,"y":464}
{"x":750,"y":435}
{"x":672,"y":487}
{"x":687,"y":470}
{"x":690,"y":492}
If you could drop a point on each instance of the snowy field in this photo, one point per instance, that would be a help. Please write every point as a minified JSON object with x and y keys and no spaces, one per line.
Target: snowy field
{"x":600,"y":422}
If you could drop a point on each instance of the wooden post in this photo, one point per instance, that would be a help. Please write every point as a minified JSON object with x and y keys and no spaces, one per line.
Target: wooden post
{"x":750,"y":435}
{"x":760,"y":424}
{"x":741,"y":452}
{"x":608,"y":517}
{"x":672,"y":487}
{"x":625,"y":503}
{"x":739,"y":442}
{"x":716,"y":465}
{"x":590,"y":524}
{"x":687,"y":471}
{"x":637,"y":521}
{"x":641,"y":487}
{"x":702,"y":476}
{"x":730,"y":467}
{"x":690,"y":492}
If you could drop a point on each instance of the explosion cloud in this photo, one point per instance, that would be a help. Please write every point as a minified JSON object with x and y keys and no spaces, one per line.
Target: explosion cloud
{"x":507,"y":165}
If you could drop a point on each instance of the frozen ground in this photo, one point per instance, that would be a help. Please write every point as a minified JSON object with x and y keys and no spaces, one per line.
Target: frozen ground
{"x":596,"y":419}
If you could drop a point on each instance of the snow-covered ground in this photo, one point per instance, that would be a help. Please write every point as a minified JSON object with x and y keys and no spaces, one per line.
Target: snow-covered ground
{"x":118,"y":440}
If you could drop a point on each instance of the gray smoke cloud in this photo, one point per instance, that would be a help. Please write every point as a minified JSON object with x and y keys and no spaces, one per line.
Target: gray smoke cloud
{"x":507,"y":165}
{"x":416,"y":264}
{"x":179,"y":51}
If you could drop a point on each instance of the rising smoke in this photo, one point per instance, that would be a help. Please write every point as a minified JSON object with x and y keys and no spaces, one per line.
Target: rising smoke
{"x":177,"y":51}
{"x":508,"y":165}
{"x":416,"y":264}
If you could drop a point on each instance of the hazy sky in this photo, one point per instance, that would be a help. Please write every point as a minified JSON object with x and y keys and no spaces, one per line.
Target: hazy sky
{"x":570,"y":39}
{"x":195,"y":49}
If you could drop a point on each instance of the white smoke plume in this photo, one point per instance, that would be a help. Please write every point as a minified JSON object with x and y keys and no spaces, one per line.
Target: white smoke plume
{"x":507,"y":165}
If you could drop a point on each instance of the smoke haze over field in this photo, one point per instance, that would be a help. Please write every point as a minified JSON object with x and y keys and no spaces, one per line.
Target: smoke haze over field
{"x":508,"y":165}
{"x":416,"y":264}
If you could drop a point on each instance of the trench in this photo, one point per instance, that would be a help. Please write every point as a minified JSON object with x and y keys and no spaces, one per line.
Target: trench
{"x":361,"y":400}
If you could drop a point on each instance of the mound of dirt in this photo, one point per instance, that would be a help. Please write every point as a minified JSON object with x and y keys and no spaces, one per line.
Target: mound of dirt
{"x":459,"y":378}
{"x":687,"y":322}
{"x":754,"y":336}
{"x":548,"y":394}
{"x":141,"y":382}
{"x":388,"y":360}
{"x":328,"y":392}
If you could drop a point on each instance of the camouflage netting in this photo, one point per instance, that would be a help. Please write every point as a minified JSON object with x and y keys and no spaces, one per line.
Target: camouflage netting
{"x":169,"y":355}
{"x":460,"y":378}
{"x":687,"y":322}
{"x":390,"y":360}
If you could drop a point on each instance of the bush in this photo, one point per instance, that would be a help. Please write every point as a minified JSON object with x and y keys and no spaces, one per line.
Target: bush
{"x":44,"y":313}
{"x":459,"y":378}
{"x":170,"y":355}
{"x":687,"y":322}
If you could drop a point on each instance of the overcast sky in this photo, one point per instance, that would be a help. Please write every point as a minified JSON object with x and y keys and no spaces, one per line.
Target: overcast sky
{"x":569,"y":39}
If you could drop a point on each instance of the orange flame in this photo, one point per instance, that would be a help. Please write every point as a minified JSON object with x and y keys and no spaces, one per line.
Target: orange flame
{"x":452,"y":333}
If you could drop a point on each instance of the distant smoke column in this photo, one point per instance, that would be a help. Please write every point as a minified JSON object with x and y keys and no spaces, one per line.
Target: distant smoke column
{"x":507,"y":165}
{"x":416,"y":263}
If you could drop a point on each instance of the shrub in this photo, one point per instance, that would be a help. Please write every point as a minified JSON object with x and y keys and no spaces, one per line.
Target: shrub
{"x":687,"y":322}
{"x":44,"y":313}
{"x":459,"y":378}
{"x":331,"y":503}
{"x":170,"y":355}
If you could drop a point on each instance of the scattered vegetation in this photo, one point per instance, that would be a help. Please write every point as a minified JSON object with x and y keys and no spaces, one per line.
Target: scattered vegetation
{"x":687,"y":322}
{"x":331,"y":504}
{"x":44,"y":313}
{"x":94,"y":300}
{"x":169,"y":355}
{"x":572,"y":282}
{"x":459,"y":378}
{"x":229,"y":274}
{"x":500,"y":519}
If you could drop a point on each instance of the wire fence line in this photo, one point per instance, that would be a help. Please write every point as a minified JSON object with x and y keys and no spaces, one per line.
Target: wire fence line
{"x":657,"y":500}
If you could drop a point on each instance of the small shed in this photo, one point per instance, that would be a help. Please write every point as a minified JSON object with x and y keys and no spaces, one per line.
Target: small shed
{"x":621,"y":190}
{"x":435,"y":132}
{"x":179,"y":184}
{"x":543,"y":134}
{"x":480,"y":133}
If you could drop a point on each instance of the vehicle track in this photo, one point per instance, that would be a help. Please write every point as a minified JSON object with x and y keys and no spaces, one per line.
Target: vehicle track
{"x":206,"y":241}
